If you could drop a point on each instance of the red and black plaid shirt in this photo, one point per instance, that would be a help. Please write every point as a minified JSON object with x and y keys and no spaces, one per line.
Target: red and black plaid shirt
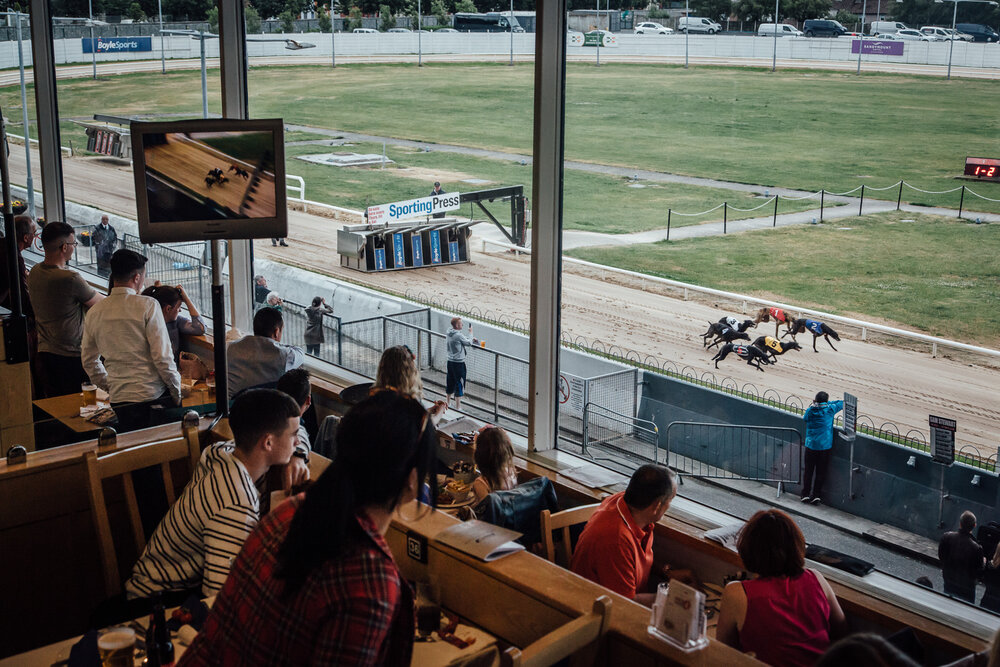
{"x":357,"y":610}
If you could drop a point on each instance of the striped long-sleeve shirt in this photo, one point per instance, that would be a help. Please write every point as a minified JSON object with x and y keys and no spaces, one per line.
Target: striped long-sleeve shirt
{"x":203,"y":532}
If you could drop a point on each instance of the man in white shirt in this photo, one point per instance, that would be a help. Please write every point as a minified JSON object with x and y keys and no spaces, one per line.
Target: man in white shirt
{"x":195,"y":544}
{"x":261,"y":359}
{"x":128,"y":331}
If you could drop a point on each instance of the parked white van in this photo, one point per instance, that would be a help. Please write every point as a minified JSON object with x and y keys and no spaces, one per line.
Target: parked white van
{"x":886,"y":27}
{"x":781,"y":29}
{"x":697,"y":24}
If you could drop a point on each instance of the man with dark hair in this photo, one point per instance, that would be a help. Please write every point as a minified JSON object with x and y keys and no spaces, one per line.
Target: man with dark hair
{"x":24,"y":234}
{"x":296,"y":384}
{"x":616,"y":546}
{"x":819,"y":445}
{"x":438,"y":190}
{"x":128,"y":331}
{"x":961,"y":559}
{"x":59,"y":297}
{"x":195,"y":544}
{"x":261,"y":359}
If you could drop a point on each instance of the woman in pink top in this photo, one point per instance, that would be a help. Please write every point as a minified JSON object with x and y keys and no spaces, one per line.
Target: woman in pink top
{"x":788,"y":614}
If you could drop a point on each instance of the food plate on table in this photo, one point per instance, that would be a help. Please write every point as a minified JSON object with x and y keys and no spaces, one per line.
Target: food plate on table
{"x":454,"y":494}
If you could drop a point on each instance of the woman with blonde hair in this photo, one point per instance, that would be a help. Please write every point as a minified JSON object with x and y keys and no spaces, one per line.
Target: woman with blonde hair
{"x":397,"y":371}
{"x":495,"y":459}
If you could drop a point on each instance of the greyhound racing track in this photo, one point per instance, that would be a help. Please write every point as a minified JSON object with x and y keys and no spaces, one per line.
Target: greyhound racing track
{"x":892,"y":384}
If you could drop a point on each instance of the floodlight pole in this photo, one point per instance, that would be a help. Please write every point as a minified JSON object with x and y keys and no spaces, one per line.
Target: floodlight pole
{"x":24,"y":118}
{"x":163,"y":52}
{"x":333,"y":37}
{"x":687,"y":31}
{"x":954,"y":18}
{"x":510,"y":27}
{"x":774,"y":52}
{"x":861,"y":42}
{"x":204,"y":77}
{"x":420,"y":20}
{"x":600,"y":37}
{"x":93,"y":44}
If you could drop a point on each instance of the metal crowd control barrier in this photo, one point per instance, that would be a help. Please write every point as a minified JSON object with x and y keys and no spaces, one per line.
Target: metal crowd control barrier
{"x":735,"y":451}
{"x":608,"y":430}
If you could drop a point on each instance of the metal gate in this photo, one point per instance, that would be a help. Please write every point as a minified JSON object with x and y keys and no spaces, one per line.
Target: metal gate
{"x":735,"y":451}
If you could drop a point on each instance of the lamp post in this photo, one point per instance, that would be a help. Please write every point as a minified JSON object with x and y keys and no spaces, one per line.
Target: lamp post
{"x":510,"y":26}
{"x":687,"y":31}
{"x":333,"y":39}
{"x":954,"y":17}
{"x":861,"y":42}
{"x":93,"y":44}
{"x":600,"y":37}
{"x":29,"y":183}
{"x":420,"y":21}
{"x":163,"y":52}
{"x":774,"y":52}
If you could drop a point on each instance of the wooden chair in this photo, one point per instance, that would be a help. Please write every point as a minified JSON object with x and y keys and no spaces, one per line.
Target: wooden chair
{"x":563,"y":520}
{"x":121,"y":464}
{"x":566,"y":640}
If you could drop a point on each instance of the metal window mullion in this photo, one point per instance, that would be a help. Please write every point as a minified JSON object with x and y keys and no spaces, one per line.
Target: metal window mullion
{"x":546,"y":256}
{"x":233,"y":64}
{"x":47,"y":110}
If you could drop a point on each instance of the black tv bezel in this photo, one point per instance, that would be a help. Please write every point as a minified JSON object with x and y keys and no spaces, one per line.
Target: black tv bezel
{"x":199,"y":230}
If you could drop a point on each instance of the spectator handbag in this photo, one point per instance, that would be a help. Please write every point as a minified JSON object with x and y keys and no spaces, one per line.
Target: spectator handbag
{"x":191,"y":366}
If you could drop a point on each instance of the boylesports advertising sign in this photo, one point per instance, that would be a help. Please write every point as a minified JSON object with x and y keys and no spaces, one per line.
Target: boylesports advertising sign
{"x":118,"y":44}
{"x":384,"y":214}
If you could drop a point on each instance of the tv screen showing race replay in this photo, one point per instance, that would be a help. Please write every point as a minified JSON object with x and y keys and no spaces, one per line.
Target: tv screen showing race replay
{"x":206,"y":179}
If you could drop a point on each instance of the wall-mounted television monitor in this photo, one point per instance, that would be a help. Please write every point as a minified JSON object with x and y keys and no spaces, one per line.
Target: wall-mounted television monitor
{"x":209,"y":178}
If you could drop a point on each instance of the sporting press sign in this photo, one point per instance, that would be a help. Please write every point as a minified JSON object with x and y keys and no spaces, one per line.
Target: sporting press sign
{"x":384,"y":214}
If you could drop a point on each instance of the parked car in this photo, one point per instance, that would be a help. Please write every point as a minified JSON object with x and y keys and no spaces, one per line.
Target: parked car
{"x":365,"y":31}
{"x":979,"y":32}
{"x":653,"y":29}
{"x":697,"y":24}
{"x":779,"y":29}
{"x":445,"y":30}
{"x":399,"y":30}
{"x":823,"y":28}
{"x":958,"y":35}
{"x":884,"y":27}
{"x":911,"y":35}
{"x":935,"y":33}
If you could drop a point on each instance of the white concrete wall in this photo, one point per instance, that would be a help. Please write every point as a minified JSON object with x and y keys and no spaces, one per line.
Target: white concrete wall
{"x":637,"y":46}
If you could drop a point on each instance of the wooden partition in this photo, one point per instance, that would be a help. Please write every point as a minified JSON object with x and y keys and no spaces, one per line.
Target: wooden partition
{"x":683,"y":545}
{"x":521,"y":597}
{"x":48,"y":543}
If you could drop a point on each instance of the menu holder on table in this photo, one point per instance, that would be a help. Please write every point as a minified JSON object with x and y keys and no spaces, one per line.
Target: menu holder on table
{"x":678,"y":616}
{"x":481,"y":540}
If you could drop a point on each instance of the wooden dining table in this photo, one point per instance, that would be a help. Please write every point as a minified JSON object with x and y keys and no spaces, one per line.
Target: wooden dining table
{"x":67,"y":408}
{"x":481,"y":653}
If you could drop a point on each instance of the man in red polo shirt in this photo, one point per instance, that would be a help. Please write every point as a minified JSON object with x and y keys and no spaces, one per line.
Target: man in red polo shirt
{"x":616,"y":546}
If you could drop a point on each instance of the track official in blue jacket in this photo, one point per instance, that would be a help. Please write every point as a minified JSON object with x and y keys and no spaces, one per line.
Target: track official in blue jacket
{"x":819,"y":445}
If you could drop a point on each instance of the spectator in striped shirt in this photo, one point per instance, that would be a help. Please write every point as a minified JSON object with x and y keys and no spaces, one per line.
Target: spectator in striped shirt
{"x":195,"y":544}
{"x":316,"y":583}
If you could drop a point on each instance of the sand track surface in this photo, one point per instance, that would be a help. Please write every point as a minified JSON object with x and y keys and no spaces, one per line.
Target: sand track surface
{"x":893,"y":384}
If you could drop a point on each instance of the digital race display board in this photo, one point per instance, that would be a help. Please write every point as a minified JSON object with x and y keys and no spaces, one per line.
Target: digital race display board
{"x":983,"y":167}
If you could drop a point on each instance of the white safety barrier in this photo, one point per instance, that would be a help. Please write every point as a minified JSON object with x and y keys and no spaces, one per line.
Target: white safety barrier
{"x":864,"y":326}
{"x":65,"y":149}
